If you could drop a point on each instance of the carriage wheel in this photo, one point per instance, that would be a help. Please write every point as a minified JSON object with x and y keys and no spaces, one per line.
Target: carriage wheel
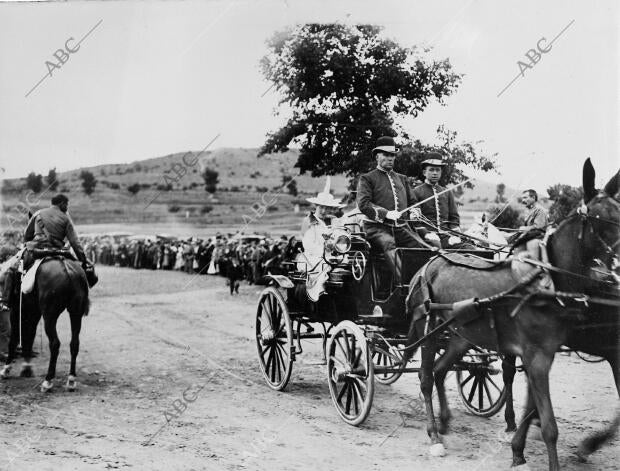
{"x":381,"y":357}
{"x":350,"y":373}
{"x":274,"y":339}
{"x":481,"y":387}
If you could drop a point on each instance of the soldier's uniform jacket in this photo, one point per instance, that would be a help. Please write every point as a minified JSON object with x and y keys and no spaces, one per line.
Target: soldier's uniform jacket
{"x":441,"y":210}
{"x":48,"y":228}
{"x":379,"y":191}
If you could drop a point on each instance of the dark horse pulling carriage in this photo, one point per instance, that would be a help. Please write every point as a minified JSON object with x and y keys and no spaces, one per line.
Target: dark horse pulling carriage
{"x":363,"y":322}
{"x":465,"y":306}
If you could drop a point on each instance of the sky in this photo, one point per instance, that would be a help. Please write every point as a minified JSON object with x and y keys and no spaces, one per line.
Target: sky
{"x":154,"y":78}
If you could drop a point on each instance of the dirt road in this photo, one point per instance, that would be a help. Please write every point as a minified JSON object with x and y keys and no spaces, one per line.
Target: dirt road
{"x":169,"y":381}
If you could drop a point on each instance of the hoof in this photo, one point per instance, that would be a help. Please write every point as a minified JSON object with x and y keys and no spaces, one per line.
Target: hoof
{"x":443,"y":429}
{"x":511,"y":428}
{"x":46,"y":386}
{"x":71,"y":383}
{"x":438,"y":450}
{"x":521,"y":467}
{"x":26,"y":371}
{"x":5,"y":372}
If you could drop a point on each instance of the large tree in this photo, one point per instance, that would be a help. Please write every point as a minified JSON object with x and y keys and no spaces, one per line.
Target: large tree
{"x":458,"y":155}
{"x":344,"y":86}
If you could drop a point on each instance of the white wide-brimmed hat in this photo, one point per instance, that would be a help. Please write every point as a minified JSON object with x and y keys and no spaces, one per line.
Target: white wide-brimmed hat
{"x":325,"y":198}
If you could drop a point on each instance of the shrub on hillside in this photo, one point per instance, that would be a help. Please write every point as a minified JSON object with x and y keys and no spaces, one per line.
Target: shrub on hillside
{"x":88,"y":182}
{"x":133,"y":188}
{"x":34,"y":182}
{"x":162,"y":187}
{"x":504,"y":216}
{"x":206,"y":209}
{"x":174,"y":208}
{"x":565,"y":198}
{"x":113,"y":186}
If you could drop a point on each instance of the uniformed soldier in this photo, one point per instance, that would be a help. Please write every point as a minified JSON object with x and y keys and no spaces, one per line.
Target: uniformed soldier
{"x":440,"y":210}
{"x":381,"y":196}
{"x":47,"y":229}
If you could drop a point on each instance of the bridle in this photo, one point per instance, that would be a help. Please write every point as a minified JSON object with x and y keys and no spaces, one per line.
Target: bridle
{"x":610,"y":250}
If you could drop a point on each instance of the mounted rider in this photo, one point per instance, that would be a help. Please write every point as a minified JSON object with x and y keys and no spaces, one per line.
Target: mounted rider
{"x":440,"y":210}
{"x":47,"y":229}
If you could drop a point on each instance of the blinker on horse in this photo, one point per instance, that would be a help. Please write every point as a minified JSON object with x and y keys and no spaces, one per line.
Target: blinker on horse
{"x":532,"y":330}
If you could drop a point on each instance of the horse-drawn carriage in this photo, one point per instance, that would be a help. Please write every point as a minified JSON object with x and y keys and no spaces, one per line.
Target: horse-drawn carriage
{"x":362,"y":322}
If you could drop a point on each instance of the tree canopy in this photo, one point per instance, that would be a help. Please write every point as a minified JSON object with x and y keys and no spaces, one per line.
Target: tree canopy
{"x":88,"y":182}
{"x":344,"y":86}
{"x":565,"y":198}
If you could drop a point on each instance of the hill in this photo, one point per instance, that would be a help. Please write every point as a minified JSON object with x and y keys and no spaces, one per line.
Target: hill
{"x":171,"y":191}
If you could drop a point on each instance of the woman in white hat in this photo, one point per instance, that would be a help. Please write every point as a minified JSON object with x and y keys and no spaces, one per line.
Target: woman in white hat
{"x":317,"y":222}
{"x":314,"y":225}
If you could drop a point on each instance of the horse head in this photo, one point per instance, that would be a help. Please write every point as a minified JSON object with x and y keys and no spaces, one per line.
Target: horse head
{"x":601,"y":218}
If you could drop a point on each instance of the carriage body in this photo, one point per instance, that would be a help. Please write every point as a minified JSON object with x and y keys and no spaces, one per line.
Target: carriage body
{"x":363,"y":308}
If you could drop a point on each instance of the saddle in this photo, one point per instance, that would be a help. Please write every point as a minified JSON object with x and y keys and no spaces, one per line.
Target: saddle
{"x":32,"y":258}
{"x":471,"y":261}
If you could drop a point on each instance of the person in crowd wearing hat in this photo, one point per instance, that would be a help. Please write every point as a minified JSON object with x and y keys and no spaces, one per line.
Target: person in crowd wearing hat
{"x":440,"y":210}
{"x":382,"y":196}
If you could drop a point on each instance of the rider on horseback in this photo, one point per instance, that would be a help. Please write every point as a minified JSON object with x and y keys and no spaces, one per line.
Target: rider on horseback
{"x":47,"y":229}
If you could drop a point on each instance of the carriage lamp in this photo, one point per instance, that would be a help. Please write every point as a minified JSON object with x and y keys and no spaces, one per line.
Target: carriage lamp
{"x":339,"y":241}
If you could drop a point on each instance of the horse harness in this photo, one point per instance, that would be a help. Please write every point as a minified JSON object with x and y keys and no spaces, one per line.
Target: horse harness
{"x":464,"y":312}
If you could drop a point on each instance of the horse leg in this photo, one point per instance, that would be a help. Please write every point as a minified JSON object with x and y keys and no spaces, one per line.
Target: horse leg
{"x":538,"y":376}
{"x":30,"y":321}
{"x":456,"y":347}
{"x":520,"y":436}
{"x":54,"y":342}
{"x":429,"y":349}
{"x":508,"y":375}
{"x":592,"y":443}
{"x":76,"y":326}
{"x":13,"y":342}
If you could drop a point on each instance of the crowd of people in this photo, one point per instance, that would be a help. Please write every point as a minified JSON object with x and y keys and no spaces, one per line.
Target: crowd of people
{"x":234,"y":257}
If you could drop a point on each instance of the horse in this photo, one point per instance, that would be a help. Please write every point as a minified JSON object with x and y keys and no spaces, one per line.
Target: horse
{"x":532,"y":330}
{"x":60,"y":284}
{"x":599,"y":333}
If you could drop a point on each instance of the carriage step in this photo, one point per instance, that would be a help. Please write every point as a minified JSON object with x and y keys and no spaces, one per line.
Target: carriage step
{"x":376,"y":316}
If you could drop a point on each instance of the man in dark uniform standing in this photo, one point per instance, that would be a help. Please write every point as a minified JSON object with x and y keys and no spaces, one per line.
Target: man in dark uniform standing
{"x":440,"y":210}
{"x":381,"y":195}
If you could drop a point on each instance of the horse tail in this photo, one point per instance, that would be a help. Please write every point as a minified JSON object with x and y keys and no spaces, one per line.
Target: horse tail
{"x":598,"y":438}
{"x":80,"y":303}
{"x":419,"y":293}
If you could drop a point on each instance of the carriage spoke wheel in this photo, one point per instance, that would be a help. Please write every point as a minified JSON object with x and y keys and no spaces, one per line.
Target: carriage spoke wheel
{"x":382,"y":358}
{"x":274,"y":339}
{"x":350,"y":373}
{"x":481,"y":386}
